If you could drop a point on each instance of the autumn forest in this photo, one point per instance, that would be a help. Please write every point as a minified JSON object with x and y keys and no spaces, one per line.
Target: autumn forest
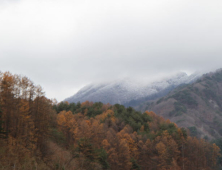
{"x":37,"y":133}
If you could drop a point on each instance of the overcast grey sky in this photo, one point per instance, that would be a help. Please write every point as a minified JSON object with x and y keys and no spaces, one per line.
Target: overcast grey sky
{"x":65,"y":44}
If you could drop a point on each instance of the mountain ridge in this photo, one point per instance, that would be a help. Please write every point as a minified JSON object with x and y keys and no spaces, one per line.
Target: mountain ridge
{"x":196,"y":106}
{"x":128,"y":91}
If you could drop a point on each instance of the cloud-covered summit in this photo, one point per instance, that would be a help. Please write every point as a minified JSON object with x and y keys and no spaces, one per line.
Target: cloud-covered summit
{"x":130,"y":92}
{"x":64,"y":45}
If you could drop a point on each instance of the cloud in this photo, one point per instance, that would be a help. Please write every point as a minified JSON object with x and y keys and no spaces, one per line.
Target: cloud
{"x":64,"y":44}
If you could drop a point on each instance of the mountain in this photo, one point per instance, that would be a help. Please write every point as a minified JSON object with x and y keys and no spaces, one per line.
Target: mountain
{"x":197,"y":106}
{"x":37,"y":133}
{"x":130,"y":92}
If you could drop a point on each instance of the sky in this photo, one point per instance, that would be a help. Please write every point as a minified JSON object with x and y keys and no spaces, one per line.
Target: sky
{"x":64,"y":45}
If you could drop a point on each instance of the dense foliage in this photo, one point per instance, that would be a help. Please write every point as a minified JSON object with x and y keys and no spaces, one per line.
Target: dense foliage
{"x":122,"y":134}
{"x":36,"y":133}
{"x":24,"y":122}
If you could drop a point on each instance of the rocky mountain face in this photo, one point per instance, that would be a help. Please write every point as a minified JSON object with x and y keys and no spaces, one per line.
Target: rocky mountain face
{"x":197,"y":106}
{"x":129,"y":92}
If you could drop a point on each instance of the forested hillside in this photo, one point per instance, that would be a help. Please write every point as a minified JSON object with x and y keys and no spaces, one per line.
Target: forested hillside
{"x":197,"y":106}
{"x":36,"y":133}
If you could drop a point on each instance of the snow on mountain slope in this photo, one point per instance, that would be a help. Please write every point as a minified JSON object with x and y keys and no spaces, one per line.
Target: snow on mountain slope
{"x":126,"y":90}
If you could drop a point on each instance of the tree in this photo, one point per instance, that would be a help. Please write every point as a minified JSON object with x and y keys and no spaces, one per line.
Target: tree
{"x":162,"y":154}
{"x":102,"y":157}
{"x":124,"y":155}
{"x":6,"y":96}
{"x":86,"y":148}
{"x":215,"y":154}
{"x":135,"y":165}
{"x":67,"y":124}
{"x":2,"y":133}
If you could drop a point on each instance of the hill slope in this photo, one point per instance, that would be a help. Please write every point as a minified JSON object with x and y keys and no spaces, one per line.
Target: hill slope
{"x":36,"y":133}
{"x":131,"y":140}
{"x":197,"y":106}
